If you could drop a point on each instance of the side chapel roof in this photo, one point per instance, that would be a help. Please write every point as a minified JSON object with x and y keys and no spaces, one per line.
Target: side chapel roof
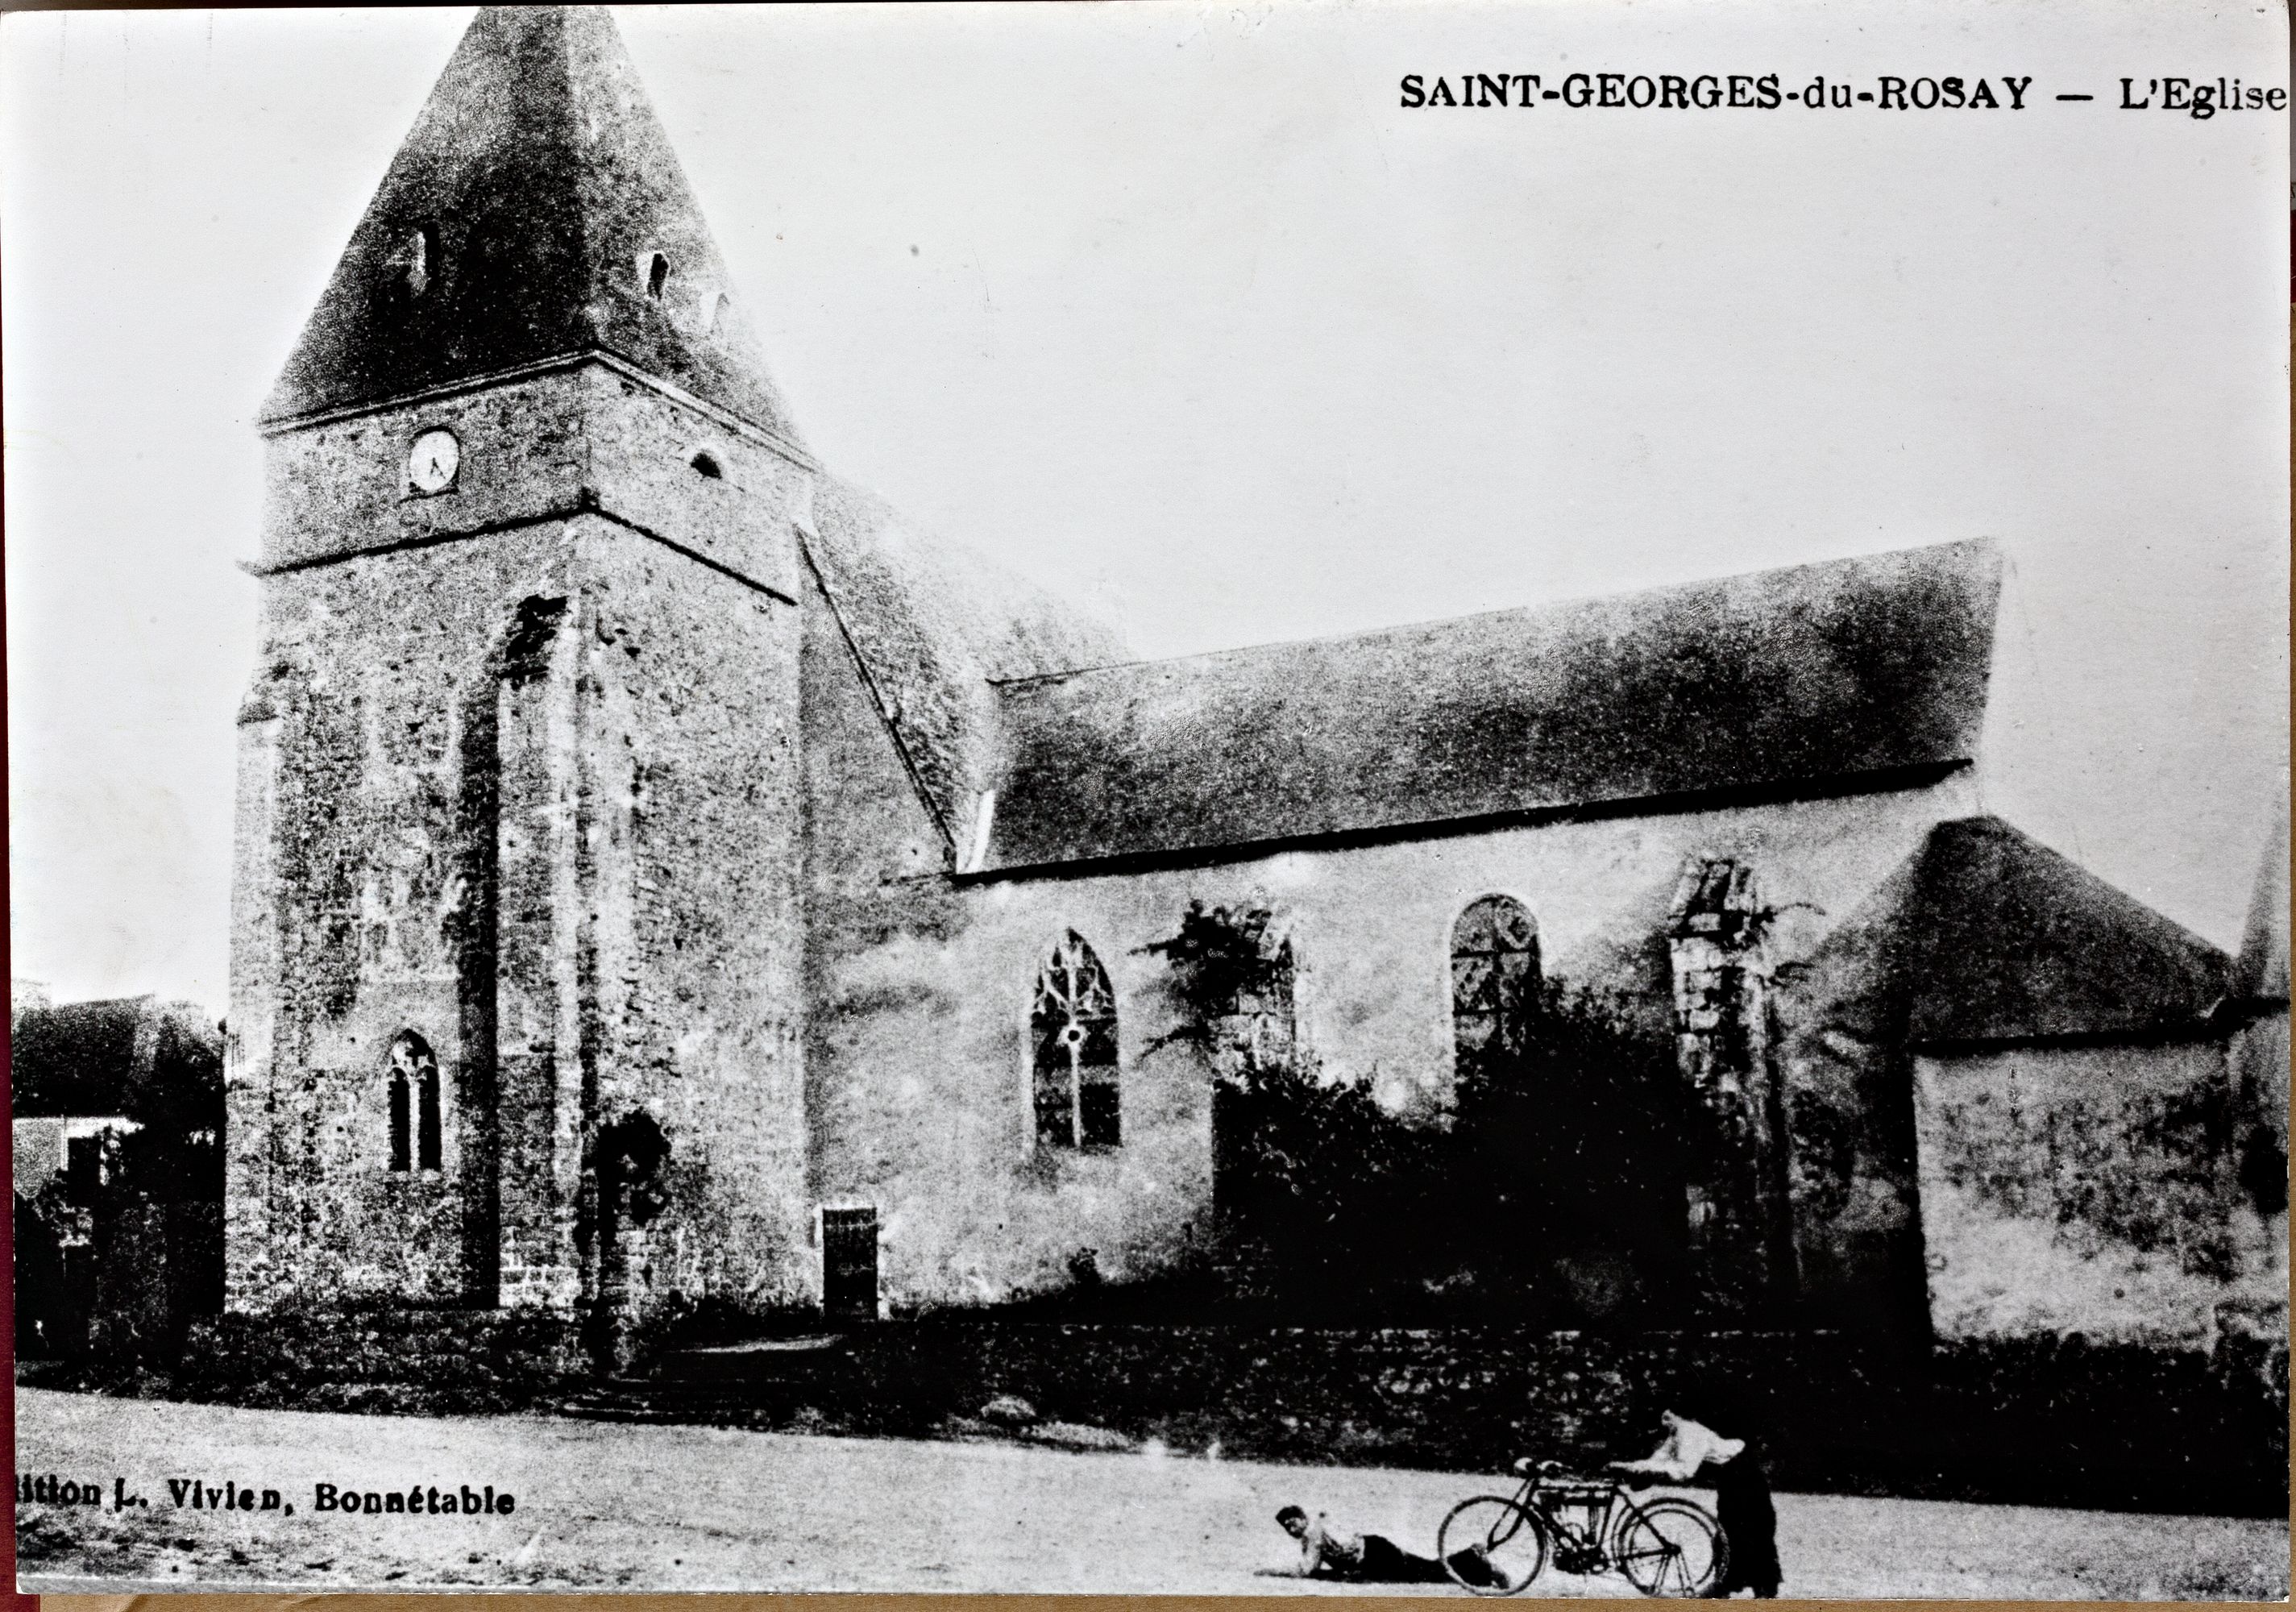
{"x":1858,"y":669}
{"x":152,"y":1061}
{"x":2006,"y":941}
{"x":519,"y":223}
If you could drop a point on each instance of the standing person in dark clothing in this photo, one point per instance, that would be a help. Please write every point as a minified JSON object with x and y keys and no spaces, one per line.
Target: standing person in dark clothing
{"x":1693,"y":1453}
{"x":1750,"y":1523}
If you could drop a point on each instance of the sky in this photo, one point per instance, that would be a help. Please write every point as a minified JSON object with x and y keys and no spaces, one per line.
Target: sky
{"x":1175,"y":309}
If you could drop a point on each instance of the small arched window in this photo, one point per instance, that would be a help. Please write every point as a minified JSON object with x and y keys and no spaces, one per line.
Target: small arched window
{"x":413,"y":1071}
{"x":1072,"y":1037}
{"x":657,"y":276}
{"x":1494,"y":980}
{"x":713,"y":313}
{"x":705,"y":463}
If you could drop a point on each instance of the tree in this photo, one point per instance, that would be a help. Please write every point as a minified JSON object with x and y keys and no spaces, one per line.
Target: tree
{"x":1317,"y":1187}
{"x":1550,"y":1191}
{"x":1566,"y":1160}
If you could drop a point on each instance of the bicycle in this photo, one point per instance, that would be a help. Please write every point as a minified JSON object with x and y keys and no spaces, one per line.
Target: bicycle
{"x":1669,"y":1546}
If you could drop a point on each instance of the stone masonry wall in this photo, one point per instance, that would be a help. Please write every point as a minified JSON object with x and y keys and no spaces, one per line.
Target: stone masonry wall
{"x":528,"y":789}
{"x":698,"y":951}
{"x":2091,"y":1190}
{"x":545,"y":444}
{"x":352,"y":749}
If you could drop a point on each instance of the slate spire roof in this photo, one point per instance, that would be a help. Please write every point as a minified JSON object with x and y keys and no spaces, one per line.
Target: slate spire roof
{"x":535,"y":211}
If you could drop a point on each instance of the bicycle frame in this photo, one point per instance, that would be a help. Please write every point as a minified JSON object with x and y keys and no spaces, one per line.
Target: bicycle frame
{"x":1620,"y":1511}
{"x":1543,"y":1498}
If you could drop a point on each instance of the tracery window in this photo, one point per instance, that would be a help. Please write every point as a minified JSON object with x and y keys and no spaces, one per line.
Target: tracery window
{"x":1072,"y":1035}
{"x":414,"y":1073}
{"x":1494,"y":979}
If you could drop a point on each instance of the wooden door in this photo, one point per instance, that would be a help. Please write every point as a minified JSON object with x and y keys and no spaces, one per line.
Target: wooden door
{"x":849,"y":1264}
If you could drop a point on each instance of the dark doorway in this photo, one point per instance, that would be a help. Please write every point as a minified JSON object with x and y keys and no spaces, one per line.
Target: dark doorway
{"x":849,"y":1264}
{"x":627,"y":1162}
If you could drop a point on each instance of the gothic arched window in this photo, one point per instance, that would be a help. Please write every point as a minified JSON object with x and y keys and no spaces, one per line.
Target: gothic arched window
{"x":414,"y":1071}
{"x":1072,"y":1047}
{"x":1494,"y":979}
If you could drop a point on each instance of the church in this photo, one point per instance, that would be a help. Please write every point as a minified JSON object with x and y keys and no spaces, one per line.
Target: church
{"x":666,"y":877}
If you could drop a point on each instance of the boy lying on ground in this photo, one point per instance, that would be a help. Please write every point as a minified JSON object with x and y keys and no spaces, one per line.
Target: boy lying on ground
{"x":1367,"y":1559}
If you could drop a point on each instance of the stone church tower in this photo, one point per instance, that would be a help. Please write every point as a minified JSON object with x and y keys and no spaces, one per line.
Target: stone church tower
{"x":515,"y":898}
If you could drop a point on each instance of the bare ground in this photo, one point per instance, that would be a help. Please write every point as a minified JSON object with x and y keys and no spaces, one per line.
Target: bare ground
{"x":610,"y":1507}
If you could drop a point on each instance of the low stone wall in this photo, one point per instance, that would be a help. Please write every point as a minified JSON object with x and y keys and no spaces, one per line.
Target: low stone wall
{"x":2035,"y":1421}
{"x":399,"y":1362}
{"x":2054,"y":1420}
{"x":1456,"y":1397}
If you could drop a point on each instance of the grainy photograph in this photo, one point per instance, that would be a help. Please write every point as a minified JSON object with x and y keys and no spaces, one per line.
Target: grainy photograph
{"x":1450,"y":798}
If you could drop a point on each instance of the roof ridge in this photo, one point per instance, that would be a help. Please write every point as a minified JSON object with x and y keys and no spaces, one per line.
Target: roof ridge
{"x":1362,"y":634}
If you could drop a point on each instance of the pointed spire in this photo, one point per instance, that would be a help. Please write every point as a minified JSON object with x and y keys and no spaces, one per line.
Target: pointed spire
{"x":536,"y":211}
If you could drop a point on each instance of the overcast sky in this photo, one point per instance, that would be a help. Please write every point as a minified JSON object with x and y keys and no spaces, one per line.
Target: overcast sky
{"x":1175,"y":309}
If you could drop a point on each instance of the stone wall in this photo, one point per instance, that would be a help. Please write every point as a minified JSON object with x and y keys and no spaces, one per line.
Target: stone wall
{"x":919,"y":1087}
{"x":2038,"y":1422}
{"x":1847,"y":1078}
{"x":384,"y":1360}
{"x":542,"y":445}
{"x":348,"y":897}
{"x":519,"y":773}
{"x":2031,"y":1421}
{"x":2091,"y":1190}
{"x":697,"y":950}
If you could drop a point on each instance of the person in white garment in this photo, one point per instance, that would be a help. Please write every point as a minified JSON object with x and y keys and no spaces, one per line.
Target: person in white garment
{"x":1691,"y":1451}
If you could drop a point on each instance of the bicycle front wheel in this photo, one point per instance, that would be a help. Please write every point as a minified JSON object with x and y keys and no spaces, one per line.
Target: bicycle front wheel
{"x":1671,"y":1548}
{"x":1491,"y":1546}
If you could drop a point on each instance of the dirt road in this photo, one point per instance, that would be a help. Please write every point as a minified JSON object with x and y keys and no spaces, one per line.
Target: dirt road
{"x":607,"y":1507}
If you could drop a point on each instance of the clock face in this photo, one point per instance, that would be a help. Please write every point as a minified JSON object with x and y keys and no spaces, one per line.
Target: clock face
{"x":436,"y":456}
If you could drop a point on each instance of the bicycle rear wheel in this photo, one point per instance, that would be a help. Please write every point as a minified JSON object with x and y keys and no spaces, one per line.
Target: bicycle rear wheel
{"x":1491,"y":1546}
{"x":1670,"y":1548}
